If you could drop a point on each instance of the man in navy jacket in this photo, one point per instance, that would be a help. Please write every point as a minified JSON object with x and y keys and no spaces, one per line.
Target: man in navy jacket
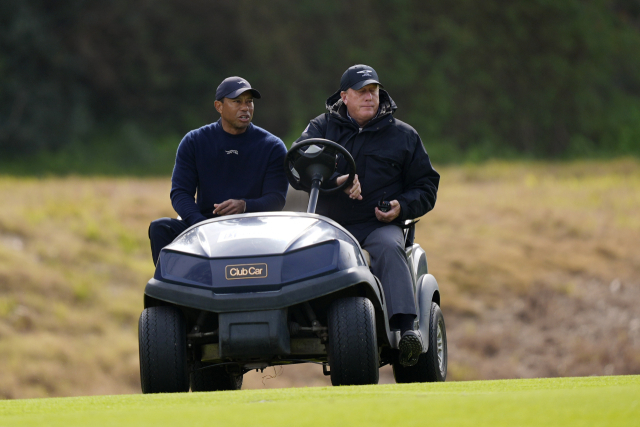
{"x":224,"y":168}
{"x":393,"y":165}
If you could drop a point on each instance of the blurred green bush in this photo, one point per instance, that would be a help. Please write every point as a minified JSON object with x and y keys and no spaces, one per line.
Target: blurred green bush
{"x":111,"y":82}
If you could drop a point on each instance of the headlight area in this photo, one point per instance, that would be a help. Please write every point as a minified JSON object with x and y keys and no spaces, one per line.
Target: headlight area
{"x":310,"y":262}
{"x":184,"y":268}
{"x":255,"y":274}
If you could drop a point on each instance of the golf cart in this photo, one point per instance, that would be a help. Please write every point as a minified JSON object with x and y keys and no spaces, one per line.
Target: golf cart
{"x":243,"y":292}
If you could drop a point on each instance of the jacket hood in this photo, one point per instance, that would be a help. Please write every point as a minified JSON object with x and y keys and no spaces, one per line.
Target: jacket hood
{"x":335,"y":106}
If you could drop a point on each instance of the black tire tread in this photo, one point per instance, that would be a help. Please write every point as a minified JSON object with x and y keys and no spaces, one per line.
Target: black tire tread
{"x":353,"y":347}
{"x":427,"y":369}
{"x":432,"y":372}
{"x":162,"y":348}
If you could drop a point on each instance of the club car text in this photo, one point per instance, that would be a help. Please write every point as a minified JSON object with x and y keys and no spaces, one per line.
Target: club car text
{"x":245,"y":271}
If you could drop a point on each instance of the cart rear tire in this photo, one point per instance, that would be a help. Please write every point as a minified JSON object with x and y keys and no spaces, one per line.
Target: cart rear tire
{"x":213,"y":379}
{"x":353,"y":344}
{"x":162,"y":339}
{"x":432,"y":365}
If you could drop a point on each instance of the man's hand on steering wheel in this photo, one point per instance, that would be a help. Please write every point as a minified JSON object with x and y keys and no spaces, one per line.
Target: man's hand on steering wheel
{"x":317,"y":163}
{"x":392,"y":214}
{"x":354,"y":190}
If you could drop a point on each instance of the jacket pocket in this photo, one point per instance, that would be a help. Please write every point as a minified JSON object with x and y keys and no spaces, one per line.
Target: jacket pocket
{"x":382,"y":170}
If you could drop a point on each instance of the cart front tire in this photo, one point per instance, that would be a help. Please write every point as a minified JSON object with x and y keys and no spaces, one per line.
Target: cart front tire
{"x":353,"y":344}
{"x":162,"y":339}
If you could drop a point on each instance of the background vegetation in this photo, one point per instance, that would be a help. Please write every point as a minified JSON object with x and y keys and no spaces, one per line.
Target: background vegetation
{"x":537,"y":261}
{"x":110,"y":87}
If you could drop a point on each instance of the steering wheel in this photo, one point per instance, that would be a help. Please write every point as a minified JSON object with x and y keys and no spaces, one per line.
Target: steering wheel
{"x":318,"y":162}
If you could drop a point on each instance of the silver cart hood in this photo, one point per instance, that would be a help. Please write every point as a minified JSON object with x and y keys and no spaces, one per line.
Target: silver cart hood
{"x":259,"y":234}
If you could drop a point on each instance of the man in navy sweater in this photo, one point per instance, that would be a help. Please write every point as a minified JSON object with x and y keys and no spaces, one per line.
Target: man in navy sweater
{"x":224,"y":168}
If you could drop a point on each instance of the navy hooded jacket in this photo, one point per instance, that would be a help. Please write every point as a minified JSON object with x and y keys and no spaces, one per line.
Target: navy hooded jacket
{"x":390,"y":161}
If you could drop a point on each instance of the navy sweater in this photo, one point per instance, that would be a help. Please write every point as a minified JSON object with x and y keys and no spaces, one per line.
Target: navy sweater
{"x":221,"y":166}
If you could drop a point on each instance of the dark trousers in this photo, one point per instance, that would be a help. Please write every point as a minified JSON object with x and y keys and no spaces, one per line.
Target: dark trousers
{"x":162,"y":232}
{"x":389,"y":264}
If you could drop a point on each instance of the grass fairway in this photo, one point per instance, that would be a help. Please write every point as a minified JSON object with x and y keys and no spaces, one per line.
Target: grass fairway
{"x":591,"y":401}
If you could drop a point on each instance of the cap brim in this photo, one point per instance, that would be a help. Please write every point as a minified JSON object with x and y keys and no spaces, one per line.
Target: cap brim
{"x":363,"y":83}
{"x":237,"y":93}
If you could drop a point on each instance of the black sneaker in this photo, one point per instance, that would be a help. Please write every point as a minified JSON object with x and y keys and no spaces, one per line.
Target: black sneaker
{"x":410,"y":347}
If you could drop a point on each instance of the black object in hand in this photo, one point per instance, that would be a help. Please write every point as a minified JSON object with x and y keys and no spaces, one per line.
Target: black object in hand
{"x":383,"y":205}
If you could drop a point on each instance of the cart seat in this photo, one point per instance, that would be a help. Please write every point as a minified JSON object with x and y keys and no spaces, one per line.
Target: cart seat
{"x":367,"y":257}
{"x":297,"y":200}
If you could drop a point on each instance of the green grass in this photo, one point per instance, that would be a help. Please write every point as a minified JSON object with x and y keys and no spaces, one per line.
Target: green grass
{"x":590,"y":401}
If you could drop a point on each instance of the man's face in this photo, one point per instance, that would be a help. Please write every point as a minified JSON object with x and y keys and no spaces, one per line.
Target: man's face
{"x":363,"y":103}
{"x":236,"y":113}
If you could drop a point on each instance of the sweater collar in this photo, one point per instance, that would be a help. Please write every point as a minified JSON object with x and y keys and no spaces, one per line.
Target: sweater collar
{"x":232,"y":136}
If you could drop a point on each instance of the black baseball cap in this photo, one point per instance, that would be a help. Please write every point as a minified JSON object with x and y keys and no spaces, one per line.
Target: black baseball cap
{"x":358,"y":76}
{"x":232,"y":87}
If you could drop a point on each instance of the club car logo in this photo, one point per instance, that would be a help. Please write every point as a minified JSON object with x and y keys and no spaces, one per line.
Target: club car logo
{"x":245,"y":271}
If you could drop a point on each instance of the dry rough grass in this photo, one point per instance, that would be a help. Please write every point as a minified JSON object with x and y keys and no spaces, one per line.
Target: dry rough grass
{"x":538,"y":266}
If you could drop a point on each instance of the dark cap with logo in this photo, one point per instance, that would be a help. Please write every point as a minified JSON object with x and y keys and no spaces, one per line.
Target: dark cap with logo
{"x":233,"y":87}
{"x":358,"y":76}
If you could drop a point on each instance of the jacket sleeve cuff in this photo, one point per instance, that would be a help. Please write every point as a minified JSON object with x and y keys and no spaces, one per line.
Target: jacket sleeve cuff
{"x":194,"y":219}
{"x":404,"y":209}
